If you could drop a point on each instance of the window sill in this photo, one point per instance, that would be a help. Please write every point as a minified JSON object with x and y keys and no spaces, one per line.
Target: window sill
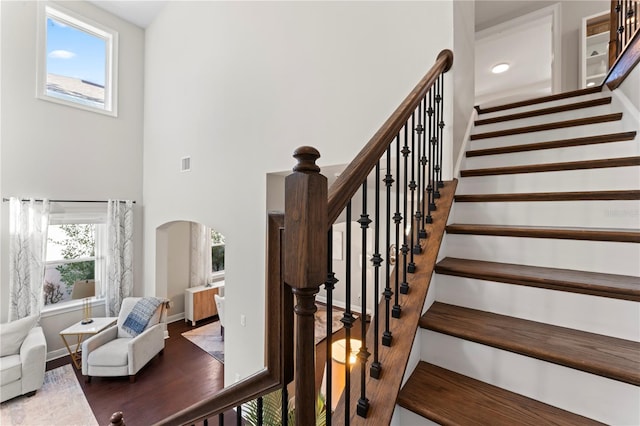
{"x":66,"y":307}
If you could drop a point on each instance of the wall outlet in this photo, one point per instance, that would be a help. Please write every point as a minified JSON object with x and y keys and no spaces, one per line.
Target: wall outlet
{"x":243,"y":320}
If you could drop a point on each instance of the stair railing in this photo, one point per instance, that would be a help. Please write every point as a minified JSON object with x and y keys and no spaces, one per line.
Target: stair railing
{"x":409,"y":148}
{"x":624,"y":40}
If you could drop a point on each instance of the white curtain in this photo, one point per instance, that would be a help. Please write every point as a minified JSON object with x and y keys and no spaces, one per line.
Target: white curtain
{"x":119,"y":255}
{"x":200,"y":266}
{"x":28,"y":225}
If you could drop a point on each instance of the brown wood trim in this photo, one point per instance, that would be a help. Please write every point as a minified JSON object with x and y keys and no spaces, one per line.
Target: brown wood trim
{"x":613,"y":34}
{"x":625,"y":63}
{"x":483,"y":403}
{"x":549,"y":126}
{"x":562,"y":143}
{"x":597,"y":284}
{"x":545,"y":111}
{"x":606,"y":356}
{"x":611,"y":235}
{"x":278,"y":343}
{"x":554,"y":167}
{"x":540,"y":100}
{"x":357,"y":171}
{"x":629,"y":194}
{"x":383,"y":393}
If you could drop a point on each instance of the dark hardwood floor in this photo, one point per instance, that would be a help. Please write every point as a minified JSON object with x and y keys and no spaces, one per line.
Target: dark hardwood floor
{"x":183,"y":375}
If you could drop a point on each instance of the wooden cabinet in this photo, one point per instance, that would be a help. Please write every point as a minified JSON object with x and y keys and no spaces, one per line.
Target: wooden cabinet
{"x":199,"y":302}
{"x":594,"y":40}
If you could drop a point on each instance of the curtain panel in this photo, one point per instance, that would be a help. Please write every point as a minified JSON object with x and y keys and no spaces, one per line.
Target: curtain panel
{"x":200,"y":265}
{"x":119,"y":255}
{"x":28,"y":226}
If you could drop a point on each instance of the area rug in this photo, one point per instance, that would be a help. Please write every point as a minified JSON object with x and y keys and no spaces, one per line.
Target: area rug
{"x":208,"y":338}
{"x":59,"y":402}
{"x":321,"y":322}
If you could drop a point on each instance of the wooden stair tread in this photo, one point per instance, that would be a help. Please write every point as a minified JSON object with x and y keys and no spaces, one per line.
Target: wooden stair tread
{"x":553,"y":167}
{"x":540,"y":100}
{"x":562,"y":143}
{"x":630,"y":194}
{"x":598,"y":284}
{"x":606,"y":356}
{"x":548,"y":126}
{"x":545,"y":111}
{"x":588,"y":234}
{"x":450,"y":398}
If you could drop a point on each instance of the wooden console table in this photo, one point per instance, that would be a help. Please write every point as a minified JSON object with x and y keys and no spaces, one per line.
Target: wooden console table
{"x":199,"y":302}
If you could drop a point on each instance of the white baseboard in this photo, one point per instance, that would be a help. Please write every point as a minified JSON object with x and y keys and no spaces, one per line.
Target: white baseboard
{"x":58,"y":353}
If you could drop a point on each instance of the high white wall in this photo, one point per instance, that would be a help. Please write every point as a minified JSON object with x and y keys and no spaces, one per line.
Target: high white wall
{"x":54,"y":151}
{"x":238,"y":86}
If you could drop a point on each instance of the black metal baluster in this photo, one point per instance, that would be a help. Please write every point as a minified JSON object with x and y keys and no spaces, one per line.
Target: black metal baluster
{"x":404,"y":286}
{"x":436,"y":150}
{"x":417,"y":248}
{"x":363,"y":354}
{"x":376,"y":367}
{"x":411,"y":267}
{"x":205,"y":422}
{"x":239,"y":415}
{"x":388,"y":181}
{"x":221,"y":419}
{"x":284,"y":410}
{"x":430,"y":204}
{"x":347,"y":318}
{"x":424,"y":161}
{"x":441,"y":129}
{"x":329,"y":286}
{"x":260,"y":410}
{"x":397,"y":219}
{"x":620,"y":30}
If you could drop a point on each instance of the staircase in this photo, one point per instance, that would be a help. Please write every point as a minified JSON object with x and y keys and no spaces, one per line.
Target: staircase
{"x":534,"y":313}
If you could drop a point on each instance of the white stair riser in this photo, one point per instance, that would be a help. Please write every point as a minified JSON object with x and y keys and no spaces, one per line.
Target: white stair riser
{"x":534,"y":107}
{"x":604,"y":179}
{"x":589,"y":395}
{"x":593,"y":256}
{"x":549,"y":135}
{"x":404,"y":417}
{"x":622,"y":214}
{"x":616,"y":318}
{"x":557,"y":155}
{"x":547,"y":118}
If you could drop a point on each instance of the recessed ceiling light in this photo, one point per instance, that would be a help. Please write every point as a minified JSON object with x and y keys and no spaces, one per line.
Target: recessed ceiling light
{"x":500,"y":68}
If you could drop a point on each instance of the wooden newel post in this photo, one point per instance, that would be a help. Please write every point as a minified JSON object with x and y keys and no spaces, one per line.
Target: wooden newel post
{"x":117,"y":419}
{"x":305,"y":269}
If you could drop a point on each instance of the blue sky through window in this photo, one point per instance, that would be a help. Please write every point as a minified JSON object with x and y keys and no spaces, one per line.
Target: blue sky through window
{"x":75,"y":53}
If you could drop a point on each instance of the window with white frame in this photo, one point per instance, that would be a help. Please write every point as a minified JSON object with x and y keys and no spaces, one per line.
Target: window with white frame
{"x":74,"y":261}
{"x":217,"y":253}
{"x":77,"y":61}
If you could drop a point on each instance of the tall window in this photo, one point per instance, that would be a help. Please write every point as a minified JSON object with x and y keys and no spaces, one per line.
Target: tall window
{"x":77,"y":61}
{"x":217,"y":253}
{"x":71,"y":262}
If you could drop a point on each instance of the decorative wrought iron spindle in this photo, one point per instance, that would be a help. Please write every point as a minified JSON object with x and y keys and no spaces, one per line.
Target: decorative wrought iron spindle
{"x":431,"y":206}
{"x":363,"y":354}
{"x":347,"y":317}
{"x":376,"y":367}
{"x":411,"y":267}
{"x":260,"y":410}
{"x":441,"y":129}
{"x":329,"y":286}
{"x":419,"y":129}
{"x":404,"y":286}
{"x":436,"y":149}
{"x":387,"y":337}
{"x":284,"y":407}
{"x":397,"y":219}
{"x":424,"y":162}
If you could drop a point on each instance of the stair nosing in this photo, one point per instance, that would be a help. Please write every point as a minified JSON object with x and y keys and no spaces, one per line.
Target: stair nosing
{"x":583,"y":234}
{"x":561,"y":143}
{"x":552,"y":350}
{"x":549,"y":196}
{"x":543,"y":99}
{"x":534,"y":276}
{"x":544,"y":111}
{"x":554,"y":167}
{"x":549,"y":126}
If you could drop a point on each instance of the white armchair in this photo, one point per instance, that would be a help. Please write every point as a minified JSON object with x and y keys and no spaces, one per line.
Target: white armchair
{"x":115,"y":352}
{"x":23,"y":358}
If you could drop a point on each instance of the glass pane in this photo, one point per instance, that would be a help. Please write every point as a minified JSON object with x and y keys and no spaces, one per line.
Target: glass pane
{"x":76,"y":63}
{"x":217,"y":258}
{"x":60,"y":279}
{"x":71,"y":241}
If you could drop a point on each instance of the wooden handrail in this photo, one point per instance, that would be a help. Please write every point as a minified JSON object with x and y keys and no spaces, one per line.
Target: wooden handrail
{"x":279,"y":343}
{"x":624,"y":52}
{"x":357,"y":171}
